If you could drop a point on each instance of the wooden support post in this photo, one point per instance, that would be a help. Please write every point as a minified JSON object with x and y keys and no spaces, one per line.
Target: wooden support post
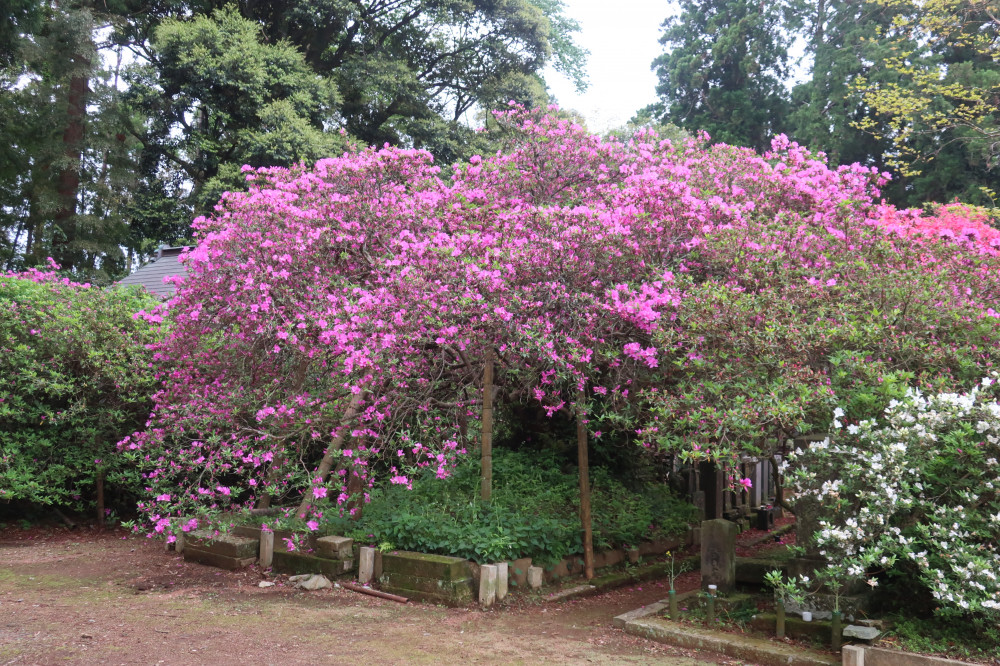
{"x":584,"y":463}
{"x":486,"y":471}
{"x":266,"y":549}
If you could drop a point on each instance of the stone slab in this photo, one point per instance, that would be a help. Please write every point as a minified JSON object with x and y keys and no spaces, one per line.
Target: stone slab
{"x":294,"y":562}
{"x":619,"y":621}
{"x":487,"y":585}
{"x":571,"y":593}
{"x":885,"y":657}
{"x":366,"y":565}
{"x":753,"y":650}
{"x":752,"y":570}
{"x":228,"y":545}
{"x":440,"y":567}
{"x":535,"y":577}
{"x":246,"y":531}
{"x":335,"y":547}
{"x":215,"y":559}
{"x":459,"y":590}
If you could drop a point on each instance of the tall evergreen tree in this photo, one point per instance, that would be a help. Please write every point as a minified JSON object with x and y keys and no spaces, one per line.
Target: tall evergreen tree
{"x":842,"y":38}
{"x":724,"y":69}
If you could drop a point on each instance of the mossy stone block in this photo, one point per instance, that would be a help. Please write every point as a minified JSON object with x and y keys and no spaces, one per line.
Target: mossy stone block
{"x":753,"y":569}
{"x":227,"y":545}
{"x":335,"y":547}
{"x":435,"y":590}
{"x":215,"y":559}
{"x":422,"y":565}
{"x":292,"y":562}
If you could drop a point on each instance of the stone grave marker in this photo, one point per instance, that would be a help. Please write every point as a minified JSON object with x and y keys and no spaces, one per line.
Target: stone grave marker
{"x":718,"y":555}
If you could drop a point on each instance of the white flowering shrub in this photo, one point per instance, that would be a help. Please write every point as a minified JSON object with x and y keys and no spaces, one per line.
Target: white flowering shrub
{"x":915,"y":492}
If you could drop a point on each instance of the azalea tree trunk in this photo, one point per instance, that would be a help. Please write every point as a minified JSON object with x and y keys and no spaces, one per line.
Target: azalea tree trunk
{"x":584,"y":463}
{"x":332,"y":451}
{"x":486,"y":466}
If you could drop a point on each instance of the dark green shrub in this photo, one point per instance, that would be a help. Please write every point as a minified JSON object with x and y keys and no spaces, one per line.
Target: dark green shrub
{"x":75,"y":378}
{"x":534,"y":512}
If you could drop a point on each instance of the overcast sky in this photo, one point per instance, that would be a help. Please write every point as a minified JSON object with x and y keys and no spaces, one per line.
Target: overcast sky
{"x":623,"y":39}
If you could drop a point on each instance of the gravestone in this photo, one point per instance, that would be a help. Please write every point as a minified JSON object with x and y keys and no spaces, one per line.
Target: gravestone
{"x":712,"y":484}
{"x":718,"y":555}
{"x":698,"y":500}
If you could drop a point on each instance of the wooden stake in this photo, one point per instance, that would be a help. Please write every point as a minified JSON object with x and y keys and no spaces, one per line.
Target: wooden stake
{"x":486,"y":465}
{"x":99,"y":482}
{"x":584,"y":463}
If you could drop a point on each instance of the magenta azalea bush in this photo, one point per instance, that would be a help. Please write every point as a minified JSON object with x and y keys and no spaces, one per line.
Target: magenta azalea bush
{"x":703,"y":299}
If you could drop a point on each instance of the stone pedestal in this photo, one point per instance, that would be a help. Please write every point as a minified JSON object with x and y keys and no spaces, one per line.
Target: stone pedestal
{"x":487,"y":585}
{"x":366,"y":565}
{"x":718,"y":555}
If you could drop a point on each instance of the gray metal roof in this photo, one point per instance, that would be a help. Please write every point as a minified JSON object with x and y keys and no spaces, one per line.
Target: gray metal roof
{"x":151,"y":275}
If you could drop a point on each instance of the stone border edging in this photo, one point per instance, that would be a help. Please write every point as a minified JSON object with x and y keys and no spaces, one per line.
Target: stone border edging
{"x":755,"y":650}
{"x":862,"y":655}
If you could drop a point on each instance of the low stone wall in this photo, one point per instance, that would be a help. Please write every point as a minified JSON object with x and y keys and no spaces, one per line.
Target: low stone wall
{"x":573,"y":565}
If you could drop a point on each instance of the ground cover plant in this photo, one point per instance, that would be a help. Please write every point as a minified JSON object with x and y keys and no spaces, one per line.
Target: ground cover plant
{"x":534,"y":512}
{"x":74,"y":375}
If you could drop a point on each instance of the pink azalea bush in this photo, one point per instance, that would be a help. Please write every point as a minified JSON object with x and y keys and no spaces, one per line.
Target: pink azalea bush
{"x":337,"y":318}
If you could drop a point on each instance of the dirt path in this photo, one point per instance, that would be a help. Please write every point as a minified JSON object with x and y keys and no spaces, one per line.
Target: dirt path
{"x":89,"y":598}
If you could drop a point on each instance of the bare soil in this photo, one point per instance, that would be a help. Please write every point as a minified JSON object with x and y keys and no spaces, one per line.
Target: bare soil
{"x":91,"y":597}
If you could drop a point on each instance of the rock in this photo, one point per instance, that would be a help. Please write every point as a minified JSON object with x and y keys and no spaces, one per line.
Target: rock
{"x":861,"y":633}
{"x":265,"y":583}
{"x":300,"y":577}
{"x":315,"y":582}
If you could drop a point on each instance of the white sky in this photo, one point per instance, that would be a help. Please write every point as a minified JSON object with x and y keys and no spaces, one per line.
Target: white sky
{"x":623,"y":39}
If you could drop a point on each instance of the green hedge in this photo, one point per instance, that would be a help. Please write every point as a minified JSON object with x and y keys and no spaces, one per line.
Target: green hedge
{"x":75,"y":377}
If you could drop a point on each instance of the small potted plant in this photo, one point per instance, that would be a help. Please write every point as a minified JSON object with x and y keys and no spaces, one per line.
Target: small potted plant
{"x":785,"y":590}
{"x":672,"y":594}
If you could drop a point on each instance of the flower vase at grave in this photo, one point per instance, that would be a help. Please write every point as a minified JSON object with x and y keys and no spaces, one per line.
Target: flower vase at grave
{"x":710,"y":608}
{"x":779,"y":615}
{"x":674,"y":614}
{"x":835,"y":631}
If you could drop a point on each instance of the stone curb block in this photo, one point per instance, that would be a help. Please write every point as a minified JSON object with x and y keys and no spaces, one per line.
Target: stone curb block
{"x":756,"y":651}
{"x":858,"y":655}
